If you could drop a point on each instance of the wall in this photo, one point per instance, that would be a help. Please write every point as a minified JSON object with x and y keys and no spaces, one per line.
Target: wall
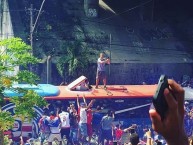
{"x":128,"y":73}
{"x":149,"y":73}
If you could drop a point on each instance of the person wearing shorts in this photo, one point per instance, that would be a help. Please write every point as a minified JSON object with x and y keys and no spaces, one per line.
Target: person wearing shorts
{"x":101,"y":74}
{"x":83,"y":122}
{"x":74,"y":128}
{"x":54,"y":124}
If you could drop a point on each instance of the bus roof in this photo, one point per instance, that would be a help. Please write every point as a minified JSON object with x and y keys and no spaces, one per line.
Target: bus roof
{"x":112,"y":91}
{"x":51,"y":92}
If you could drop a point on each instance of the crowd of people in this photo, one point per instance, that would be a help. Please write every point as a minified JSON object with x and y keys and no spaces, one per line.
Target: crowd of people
{"x":82,"y":124}
{"x":79,"y":126}
{"x":76,"y":125}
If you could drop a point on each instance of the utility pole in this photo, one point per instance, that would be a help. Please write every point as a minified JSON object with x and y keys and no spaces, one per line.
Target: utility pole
{"x":31,"y":27}
{"x":48,"y":70}
{"x":152,"y":12}
{"x":32,"y":24}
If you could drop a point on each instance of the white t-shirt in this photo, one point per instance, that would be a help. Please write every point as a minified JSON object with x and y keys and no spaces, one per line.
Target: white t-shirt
{"x":100,"y":65}
{"x":83,"y":115}
{"x":64,"y":117}
{"x":125,"y":138}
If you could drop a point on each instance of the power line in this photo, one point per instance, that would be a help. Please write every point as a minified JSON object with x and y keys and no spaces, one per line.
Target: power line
{"x":122,"y":45}
{"x":103,"y":43}
{"x":126,"y":10}
{"x":38,"y":15}
{"x":132,"y":49}
{"x":6,"y":11}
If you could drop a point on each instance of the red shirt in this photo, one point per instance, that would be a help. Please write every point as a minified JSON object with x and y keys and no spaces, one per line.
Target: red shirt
{"x":89,"y":116}
{"x":118,"y":133}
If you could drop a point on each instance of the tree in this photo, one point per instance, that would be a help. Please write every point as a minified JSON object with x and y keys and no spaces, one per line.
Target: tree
{"x":17,"y":53}
{"x":6,"y":122}
{"x":24,"y":105}
{"x":76,"y":55}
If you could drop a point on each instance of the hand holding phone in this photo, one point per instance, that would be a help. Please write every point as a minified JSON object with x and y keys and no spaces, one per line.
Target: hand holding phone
{"x":159,"y":101}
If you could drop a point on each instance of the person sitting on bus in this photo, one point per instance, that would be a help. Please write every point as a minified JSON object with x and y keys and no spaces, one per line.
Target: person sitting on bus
{"x":84,"y":86}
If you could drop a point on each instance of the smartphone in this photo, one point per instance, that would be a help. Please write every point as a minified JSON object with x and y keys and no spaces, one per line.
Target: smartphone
{"x":159,"y":101}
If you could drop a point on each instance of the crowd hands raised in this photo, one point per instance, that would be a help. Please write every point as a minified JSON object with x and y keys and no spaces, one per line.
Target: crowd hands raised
{"x":79,"y":126}
{"x":172,"y":127}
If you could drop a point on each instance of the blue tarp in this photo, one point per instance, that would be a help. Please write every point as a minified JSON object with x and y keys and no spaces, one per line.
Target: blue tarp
{"x":41,"y":89}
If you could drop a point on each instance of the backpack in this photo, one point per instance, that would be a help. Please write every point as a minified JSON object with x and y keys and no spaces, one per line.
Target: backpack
{"x":44,"y":125}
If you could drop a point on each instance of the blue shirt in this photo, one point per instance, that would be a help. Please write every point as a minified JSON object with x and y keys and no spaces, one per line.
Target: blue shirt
{"x":106,"y":122}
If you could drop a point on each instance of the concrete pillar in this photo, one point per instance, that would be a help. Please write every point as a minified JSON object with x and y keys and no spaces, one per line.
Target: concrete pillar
{"x":6,"y":29}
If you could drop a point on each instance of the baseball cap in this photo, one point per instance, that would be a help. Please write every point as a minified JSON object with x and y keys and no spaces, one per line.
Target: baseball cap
{"x":52,"y":113}
{"x":82,"y":104}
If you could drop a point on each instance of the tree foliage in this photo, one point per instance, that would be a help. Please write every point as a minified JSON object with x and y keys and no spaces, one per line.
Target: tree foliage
{"x":17,"y":53}
{"x":24,"y":105}
{"x":13,"y":53}
{"x":77,"y":57}
{"x":6,"y":122}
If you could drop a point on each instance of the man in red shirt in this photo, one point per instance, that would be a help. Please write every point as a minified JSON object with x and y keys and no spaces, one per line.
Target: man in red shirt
{"x":89,"y":123}
{"x":118,"y":132}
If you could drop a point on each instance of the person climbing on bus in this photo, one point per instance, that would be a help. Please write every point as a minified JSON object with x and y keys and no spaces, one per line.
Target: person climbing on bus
{"x":84,"y":86}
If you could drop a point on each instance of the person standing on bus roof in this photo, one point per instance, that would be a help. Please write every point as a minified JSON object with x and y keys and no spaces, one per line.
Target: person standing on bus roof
{"x":101,"y":74}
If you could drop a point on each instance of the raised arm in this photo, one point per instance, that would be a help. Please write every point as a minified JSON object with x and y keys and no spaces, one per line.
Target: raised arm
{"x":77,"y":100}
{"x":21,"y":140}
{"x":172,"y":127}
{"x":127,"y":129}
{"x":149,"y":138}
{"x":104,"y":61}
{"x":84,"y":99}
{"x":90,"y":104}
{"x":57,"y":111}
